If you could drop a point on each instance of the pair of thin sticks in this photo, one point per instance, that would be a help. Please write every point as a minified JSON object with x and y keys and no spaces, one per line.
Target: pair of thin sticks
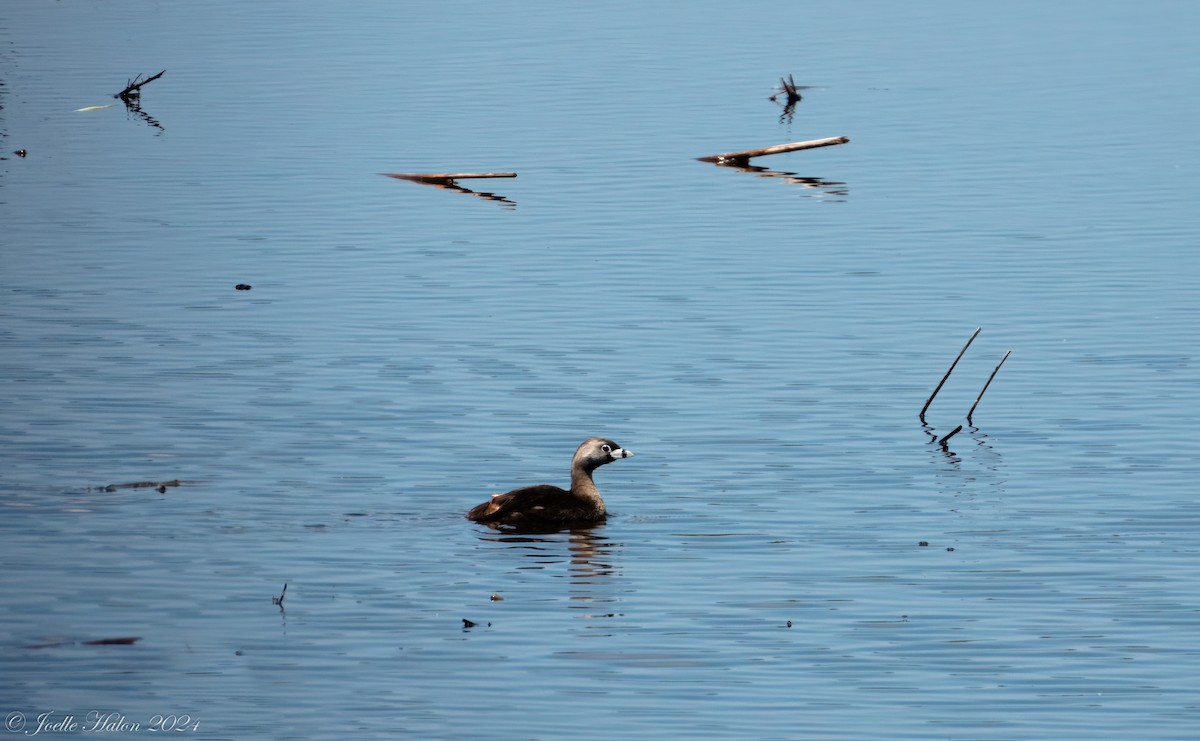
{"x":443,"y":178}
{"x":971,"y":413}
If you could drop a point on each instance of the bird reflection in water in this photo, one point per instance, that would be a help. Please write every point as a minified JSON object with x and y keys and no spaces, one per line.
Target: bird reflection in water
{"x":590,"y":563}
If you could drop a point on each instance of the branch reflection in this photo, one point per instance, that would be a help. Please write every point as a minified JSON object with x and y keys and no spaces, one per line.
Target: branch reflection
{"x":452,"y":184}
{"x":831,"y":190}
{"x":133,"y":106}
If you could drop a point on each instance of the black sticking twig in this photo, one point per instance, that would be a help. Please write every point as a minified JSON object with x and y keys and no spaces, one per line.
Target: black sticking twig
{"x":133,"y":89}
{"x":985,"y":386}
{"x":951,"y":434}
{"x":788,"y":87}
{"x":279,"y":600}
{"x":943,"y":381}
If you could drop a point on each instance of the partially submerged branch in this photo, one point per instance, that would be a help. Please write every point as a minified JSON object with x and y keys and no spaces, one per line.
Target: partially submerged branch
{"x":742,"y":157}
{"x":133,"y":89}
{"x":429,"y":177}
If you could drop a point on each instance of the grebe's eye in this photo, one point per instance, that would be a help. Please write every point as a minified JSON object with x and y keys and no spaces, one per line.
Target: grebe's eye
{"x":606,"y":448}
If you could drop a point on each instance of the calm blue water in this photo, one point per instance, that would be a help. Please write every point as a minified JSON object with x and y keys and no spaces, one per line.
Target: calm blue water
{"x":764,"y":343}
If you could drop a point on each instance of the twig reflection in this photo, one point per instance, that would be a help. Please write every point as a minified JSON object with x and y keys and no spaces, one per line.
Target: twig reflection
{"x":452,"y":184}
{"x":826,"y":187}
{"x":133,"y":106}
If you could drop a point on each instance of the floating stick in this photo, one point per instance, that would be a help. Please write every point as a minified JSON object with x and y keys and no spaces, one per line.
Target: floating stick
{"x":443,"y":176}
{"x":943,"y":381}
{"x":985,"y":386}
{"x":777,"y":149}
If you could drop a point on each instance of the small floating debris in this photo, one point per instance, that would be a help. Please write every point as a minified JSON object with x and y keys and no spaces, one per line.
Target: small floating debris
{"x":467,"y":624}
{"x":741,"y":158}
{"x":923,"y":543}
{"x":242,"y":287}
{"x":279,"y":600}
{"x":94,"y":108}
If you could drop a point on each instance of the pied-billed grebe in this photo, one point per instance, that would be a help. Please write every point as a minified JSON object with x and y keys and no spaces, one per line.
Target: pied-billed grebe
{"x":549,"y":507}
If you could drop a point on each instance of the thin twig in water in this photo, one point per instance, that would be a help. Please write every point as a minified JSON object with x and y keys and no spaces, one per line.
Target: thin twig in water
{"x":951,"y":434}
{"x":279,"y":600}
{"x":985,"y":386}
{"x":943,"y":381}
